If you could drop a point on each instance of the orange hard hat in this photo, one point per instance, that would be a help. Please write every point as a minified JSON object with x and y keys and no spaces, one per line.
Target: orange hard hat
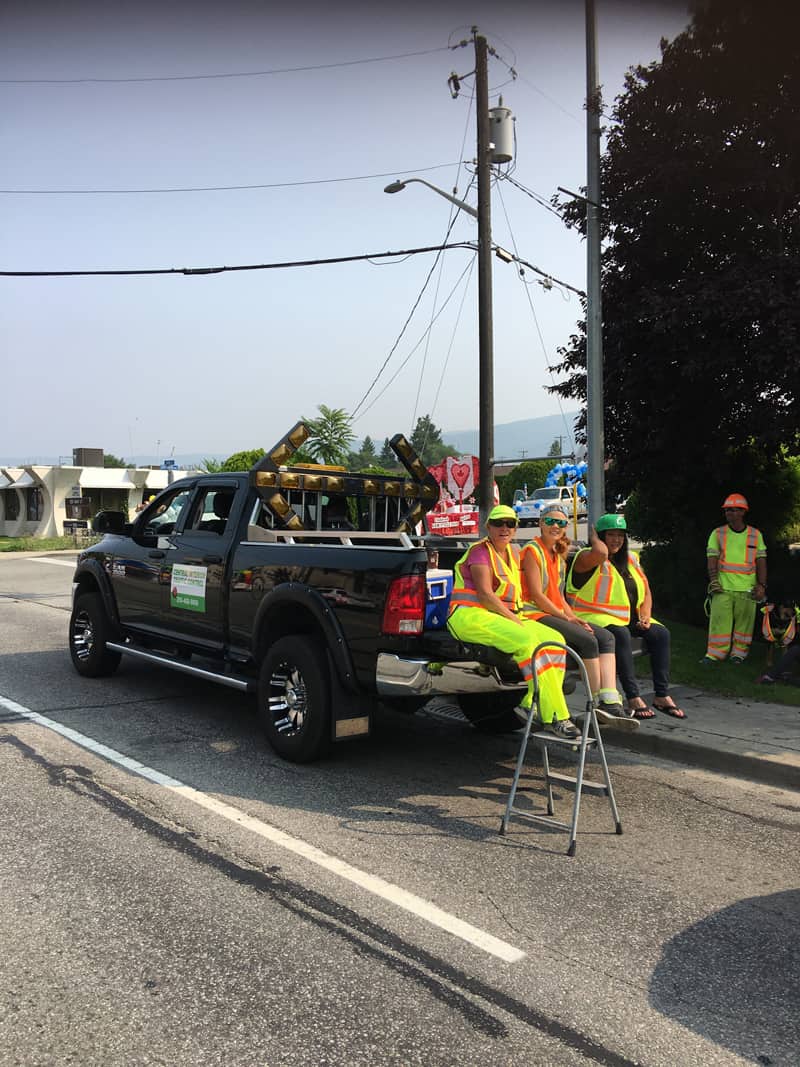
{"x":735,"y":500}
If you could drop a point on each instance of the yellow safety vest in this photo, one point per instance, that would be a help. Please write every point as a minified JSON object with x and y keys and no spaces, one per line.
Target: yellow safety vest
{"x":603,"y":600}
{"x":738,"y":551}
{"x":506,"y":574}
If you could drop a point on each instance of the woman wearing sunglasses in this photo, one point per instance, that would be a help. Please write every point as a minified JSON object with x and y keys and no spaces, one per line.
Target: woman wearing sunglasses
{"x":542,"y":562}
{"x":485,"y":610}
{"x":607,"y":586}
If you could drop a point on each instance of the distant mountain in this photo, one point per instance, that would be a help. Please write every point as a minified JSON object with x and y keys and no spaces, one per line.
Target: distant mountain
{"x":511,"y":439}
{"x":528,"y":438}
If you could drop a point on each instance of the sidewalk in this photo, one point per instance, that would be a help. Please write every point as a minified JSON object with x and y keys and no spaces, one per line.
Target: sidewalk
{"x":739,"y":737}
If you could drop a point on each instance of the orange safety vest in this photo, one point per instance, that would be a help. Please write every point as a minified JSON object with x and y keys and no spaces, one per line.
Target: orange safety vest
{"x":747,"y":565}
{"x":506,"y":577}
{"x":769,"y":634}
{"x":538,"y":551}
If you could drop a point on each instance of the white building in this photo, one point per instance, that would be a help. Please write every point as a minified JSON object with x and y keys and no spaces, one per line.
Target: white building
{"x":50,"y":501}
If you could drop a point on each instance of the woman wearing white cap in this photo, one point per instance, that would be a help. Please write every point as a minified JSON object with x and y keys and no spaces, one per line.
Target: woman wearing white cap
{"x":485,"y":610}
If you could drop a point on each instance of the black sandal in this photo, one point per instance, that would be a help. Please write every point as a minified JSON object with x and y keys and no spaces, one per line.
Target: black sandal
{"x":641,"y":713}
{"x":670,"y":709}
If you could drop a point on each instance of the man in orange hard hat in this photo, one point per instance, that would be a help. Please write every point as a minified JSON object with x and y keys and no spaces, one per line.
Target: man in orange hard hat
{"x":737,"y":579}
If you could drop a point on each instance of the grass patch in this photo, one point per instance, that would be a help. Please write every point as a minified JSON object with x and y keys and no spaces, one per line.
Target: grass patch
{"x":730,"y":680}
{"x":39,"y":544}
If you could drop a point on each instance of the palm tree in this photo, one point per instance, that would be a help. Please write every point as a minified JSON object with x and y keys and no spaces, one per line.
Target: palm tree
{"x":331,"y":435}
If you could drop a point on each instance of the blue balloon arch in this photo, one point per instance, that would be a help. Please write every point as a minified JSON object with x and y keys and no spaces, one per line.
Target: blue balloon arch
{"x":572,"y":473}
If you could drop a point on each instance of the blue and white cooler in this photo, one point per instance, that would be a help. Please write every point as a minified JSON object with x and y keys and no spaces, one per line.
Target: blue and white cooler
{"x":440,"y":586}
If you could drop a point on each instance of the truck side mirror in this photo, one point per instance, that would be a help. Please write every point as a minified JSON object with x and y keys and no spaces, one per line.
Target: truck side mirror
{"x":109,"y":522}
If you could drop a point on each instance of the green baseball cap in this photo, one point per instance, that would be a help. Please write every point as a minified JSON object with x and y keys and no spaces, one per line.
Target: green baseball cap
{"x":611,"y":522}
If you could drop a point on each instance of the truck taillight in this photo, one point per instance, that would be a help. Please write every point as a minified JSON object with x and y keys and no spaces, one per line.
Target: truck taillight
{"x":405,"y":605}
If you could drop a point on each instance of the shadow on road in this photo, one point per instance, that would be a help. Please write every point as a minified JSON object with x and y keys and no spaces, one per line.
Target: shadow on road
{"x":752,"y":948}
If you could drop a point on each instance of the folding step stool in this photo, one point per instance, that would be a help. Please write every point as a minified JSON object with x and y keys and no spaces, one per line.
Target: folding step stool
{"x":577,"y":783}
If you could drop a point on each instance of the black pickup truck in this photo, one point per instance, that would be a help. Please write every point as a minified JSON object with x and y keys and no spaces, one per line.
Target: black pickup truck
{"x":303,"y":584}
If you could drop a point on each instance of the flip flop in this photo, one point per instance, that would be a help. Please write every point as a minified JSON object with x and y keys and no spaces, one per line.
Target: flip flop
{"x":643,"y":713}
{"x":671,"y":709}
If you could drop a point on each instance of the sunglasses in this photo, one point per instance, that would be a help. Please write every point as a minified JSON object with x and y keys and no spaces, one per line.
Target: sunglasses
{"x":548,"y":520}
{"x":510,"y":524}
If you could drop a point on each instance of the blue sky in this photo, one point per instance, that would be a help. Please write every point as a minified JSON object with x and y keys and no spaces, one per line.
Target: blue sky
{"x":152,"y":365}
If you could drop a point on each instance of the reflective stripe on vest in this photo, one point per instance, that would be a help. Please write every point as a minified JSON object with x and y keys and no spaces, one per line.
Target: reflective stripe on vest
{"x":746,"y":566}
{"x":768,"y":633}
{"x":506,"y":575}
{"x":537,"y":549}
{"x":603,"y":594}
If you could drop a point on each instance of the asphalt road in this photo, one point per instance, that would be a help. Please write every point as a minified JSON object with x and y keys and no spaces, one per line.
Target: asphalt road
{"x":215,"y":905}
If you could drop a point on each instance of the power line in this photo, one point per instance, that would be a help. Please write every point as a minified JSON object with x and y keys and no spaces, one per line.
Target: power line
{"x":227,"y":74}
{"x":224,"y":270}
{"x":534,"y":196}
{"x":216,"y":188}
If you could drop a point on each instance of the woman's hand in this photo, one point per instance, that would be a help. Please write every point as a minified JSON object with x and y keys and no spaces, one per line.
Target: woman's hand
{"x":644,"y":622}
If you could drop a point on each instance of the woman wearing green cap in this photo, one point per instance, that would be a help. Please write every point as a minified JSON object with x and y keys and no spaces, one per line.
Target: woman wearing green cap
{"x":485,"y":610}
{"x":607,"y":586}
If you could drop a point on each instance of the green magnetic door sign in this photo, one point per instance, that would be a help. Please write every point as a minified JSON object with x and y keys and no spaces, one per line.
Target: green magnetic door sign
{"x":188,"y":588}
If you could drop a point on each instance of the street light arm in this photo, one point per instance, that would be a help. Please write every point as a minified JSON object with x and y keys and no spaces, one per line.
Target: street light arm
{"x":398,"y":186}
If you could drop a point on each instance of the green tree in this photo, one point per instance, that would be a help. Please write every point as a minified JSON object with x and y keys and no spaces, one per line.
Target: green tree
{"x":387,"y":459}
{"x":530,"y":473}
{"x":427,"y":442}
{"x":110,"y":460}
{"x":331,"y":435}
{"x":242,"y":461}
{"x":365,"y":457}
{"x":700,"y":271}
{"x":555,"y":447}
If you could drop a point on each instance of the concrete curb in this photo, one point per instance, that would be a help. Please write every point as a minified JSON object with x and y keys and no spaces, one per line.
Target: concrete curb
{"x":758,"y":768}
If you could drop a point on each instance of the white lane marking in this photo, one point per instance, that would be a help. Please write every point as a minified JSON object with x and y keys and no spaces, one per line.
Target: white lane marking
{"x":56,"y":562}
{"x":401,"y":898}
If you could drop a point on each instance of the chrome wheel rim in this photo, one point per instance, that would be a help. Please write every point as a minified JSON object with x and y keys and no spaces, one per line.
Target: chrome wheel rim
{"x":288,"y":700}
{"x":82,"y":635}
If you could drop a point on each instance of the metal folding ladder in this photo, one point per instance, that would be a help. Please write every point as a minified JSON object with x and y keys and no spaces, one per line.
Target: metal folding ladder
{"x":590,"y":737}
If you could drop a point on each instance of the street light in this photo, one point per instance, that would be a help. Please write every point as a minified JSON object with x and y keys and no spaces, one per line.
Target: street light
{"x":398,"y":186}
{"x":485,"y":342}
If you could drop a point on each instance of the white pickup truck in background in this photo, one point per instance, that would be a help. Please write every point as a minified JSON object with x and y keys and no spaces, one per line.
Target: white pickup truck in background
{"x":528,"y":508}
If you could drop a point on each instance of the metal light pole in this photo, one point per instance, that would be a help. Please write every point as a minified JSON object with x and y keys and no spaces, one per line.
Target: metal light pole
{"x":594,"y":317}
{"x":485,"y":332}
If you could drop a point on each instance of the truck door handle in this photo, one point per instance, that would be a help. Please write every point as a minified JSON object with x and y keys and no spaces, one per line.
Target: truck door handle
{"x":156,"y":555}
{"x":212,"y":559}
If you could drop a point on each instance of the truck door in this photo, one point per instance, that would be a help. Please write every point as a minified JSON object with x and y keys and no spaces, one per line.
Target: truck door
{"x":194,"y":598}
{"x":137,"y":577}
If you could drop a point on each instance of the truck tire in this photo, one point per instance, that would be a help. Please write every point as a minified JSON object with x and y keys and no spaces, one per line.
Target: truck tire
{"x":491,"y":713}
{"x":89,"y":629}
{"x":294,"y":703}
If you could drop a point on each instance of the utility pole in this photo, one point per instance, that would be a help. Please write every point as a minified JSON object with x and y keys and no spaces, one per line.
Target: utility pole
{"x":594,"y":312}
{"x":485,"y":339}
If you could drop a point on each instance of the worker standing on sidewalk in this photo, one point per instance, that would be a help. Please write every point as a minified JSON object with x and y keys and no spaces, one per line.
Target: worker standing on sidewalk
{"x":737,"y":573}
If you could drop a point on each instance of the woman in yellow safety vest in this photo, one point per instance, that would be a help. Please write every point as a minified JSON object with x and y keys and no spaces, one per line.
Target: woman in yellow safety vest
{"x":485,"y":610}
{"x":608,"y":587}
{"x":542,"y":562}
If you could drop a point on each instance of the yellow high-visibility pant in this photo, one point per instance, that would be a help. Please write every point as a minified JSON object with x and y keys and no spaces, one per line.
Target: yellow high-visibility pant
{"x":730,"y":625}
{"x":483,"y":627}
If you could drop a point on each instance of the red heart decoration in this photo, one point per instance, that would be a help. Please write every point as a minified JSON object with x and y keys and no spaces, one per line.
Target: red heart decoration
{"x":460,"y":473}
